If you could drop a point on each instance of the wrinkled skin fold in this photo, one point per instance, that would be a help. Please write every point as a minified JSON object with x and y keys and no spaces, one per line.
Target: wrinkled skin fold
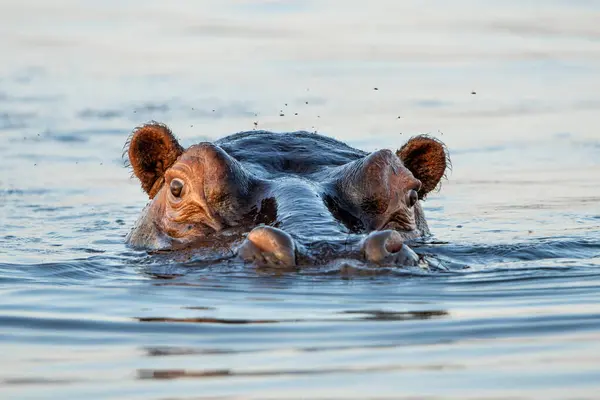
{"x":283,"y":199}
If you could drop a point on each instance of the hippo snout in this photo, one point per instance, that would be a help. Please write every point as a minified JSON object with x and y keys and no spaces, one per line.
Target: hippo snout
{"x":267,"y":246}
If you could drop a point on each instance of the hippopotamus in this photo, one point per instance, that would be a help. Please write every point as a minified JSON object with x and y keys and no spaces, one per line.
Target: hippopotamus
{"x":283,"y":199}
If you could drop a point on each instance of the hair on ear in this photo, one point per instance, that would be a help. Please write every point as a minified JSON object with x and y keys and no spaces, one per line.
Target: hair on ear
{"x":428,"y":159}
{"x":152,"y":149}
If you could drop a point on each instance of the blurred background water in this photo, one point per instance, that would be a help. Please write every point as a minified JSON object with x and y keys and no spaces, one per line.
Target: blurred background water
{"x":513,"y":89}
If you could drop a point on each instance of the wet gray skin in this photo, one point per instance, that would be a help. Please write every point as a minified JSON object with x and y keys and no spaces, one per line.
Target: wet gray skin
{"x":283,"y":199}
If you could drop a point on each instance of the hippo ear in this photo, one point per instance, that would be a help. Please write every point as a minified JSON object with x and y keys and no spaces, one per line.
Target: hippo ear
{"x":152,"y":149}
{"x":427,"y":158}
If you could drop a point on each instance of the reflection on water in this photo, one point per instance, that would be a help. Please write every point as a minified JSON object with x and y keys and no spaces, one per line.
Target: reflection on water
{"x":376,"y":315}
{"x":508,"y":306}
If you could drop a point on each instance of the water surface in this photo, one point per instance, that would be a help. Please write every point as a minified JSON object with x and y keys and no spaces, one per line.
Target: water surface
{"x":511,"y":312}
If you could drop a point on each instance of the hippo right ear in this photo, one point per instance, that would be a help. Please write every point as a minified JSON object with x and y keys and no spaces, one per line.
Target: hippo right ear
{"x":427,"y":158}
{"x":152,"y":150}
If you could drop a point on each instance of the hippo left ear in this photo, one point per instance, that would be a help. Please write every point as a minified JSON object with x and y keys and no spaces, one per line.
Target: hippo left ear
{"x":152,"y":149}
{"x":427,"y":158}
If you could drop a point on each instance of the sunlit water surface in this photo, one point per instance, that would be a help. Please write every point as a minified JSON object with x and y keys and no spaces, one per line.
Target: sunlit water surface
{"x":513,"y":309}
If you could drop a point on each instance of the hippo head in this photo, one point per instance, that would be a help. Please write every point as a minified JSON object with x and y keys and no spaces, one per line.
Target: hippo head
{"x":280,"y":198}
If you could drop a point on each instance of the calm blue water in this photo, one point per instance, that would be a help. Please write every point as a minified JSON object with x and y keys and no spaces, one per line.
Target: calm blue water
{"x":511,"y":312}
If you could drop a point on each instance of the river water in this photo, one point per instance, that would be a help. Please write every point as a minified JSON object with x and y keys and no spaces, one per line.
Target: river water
{"x":512,"y":88}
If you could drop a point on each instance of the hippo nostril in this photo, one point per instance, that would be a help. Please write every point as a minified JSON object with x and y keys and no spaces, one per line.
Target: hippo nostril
{"x":269,"y":246}
{"x":393,"y":245}
{"x":379,"y":245}
{"x":411,"y":198}
{"x":388,"y":247}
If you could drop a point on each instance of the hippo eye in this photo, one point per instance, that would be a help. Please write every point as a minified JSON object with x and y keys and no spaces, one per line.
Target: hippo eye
{"x":176,"y":187}
{"x":411,"y":198}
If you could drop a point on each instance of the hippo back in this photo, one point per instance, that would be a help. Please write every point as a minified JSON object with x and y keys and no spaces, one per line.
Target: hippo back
{"x":297,"y":153}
